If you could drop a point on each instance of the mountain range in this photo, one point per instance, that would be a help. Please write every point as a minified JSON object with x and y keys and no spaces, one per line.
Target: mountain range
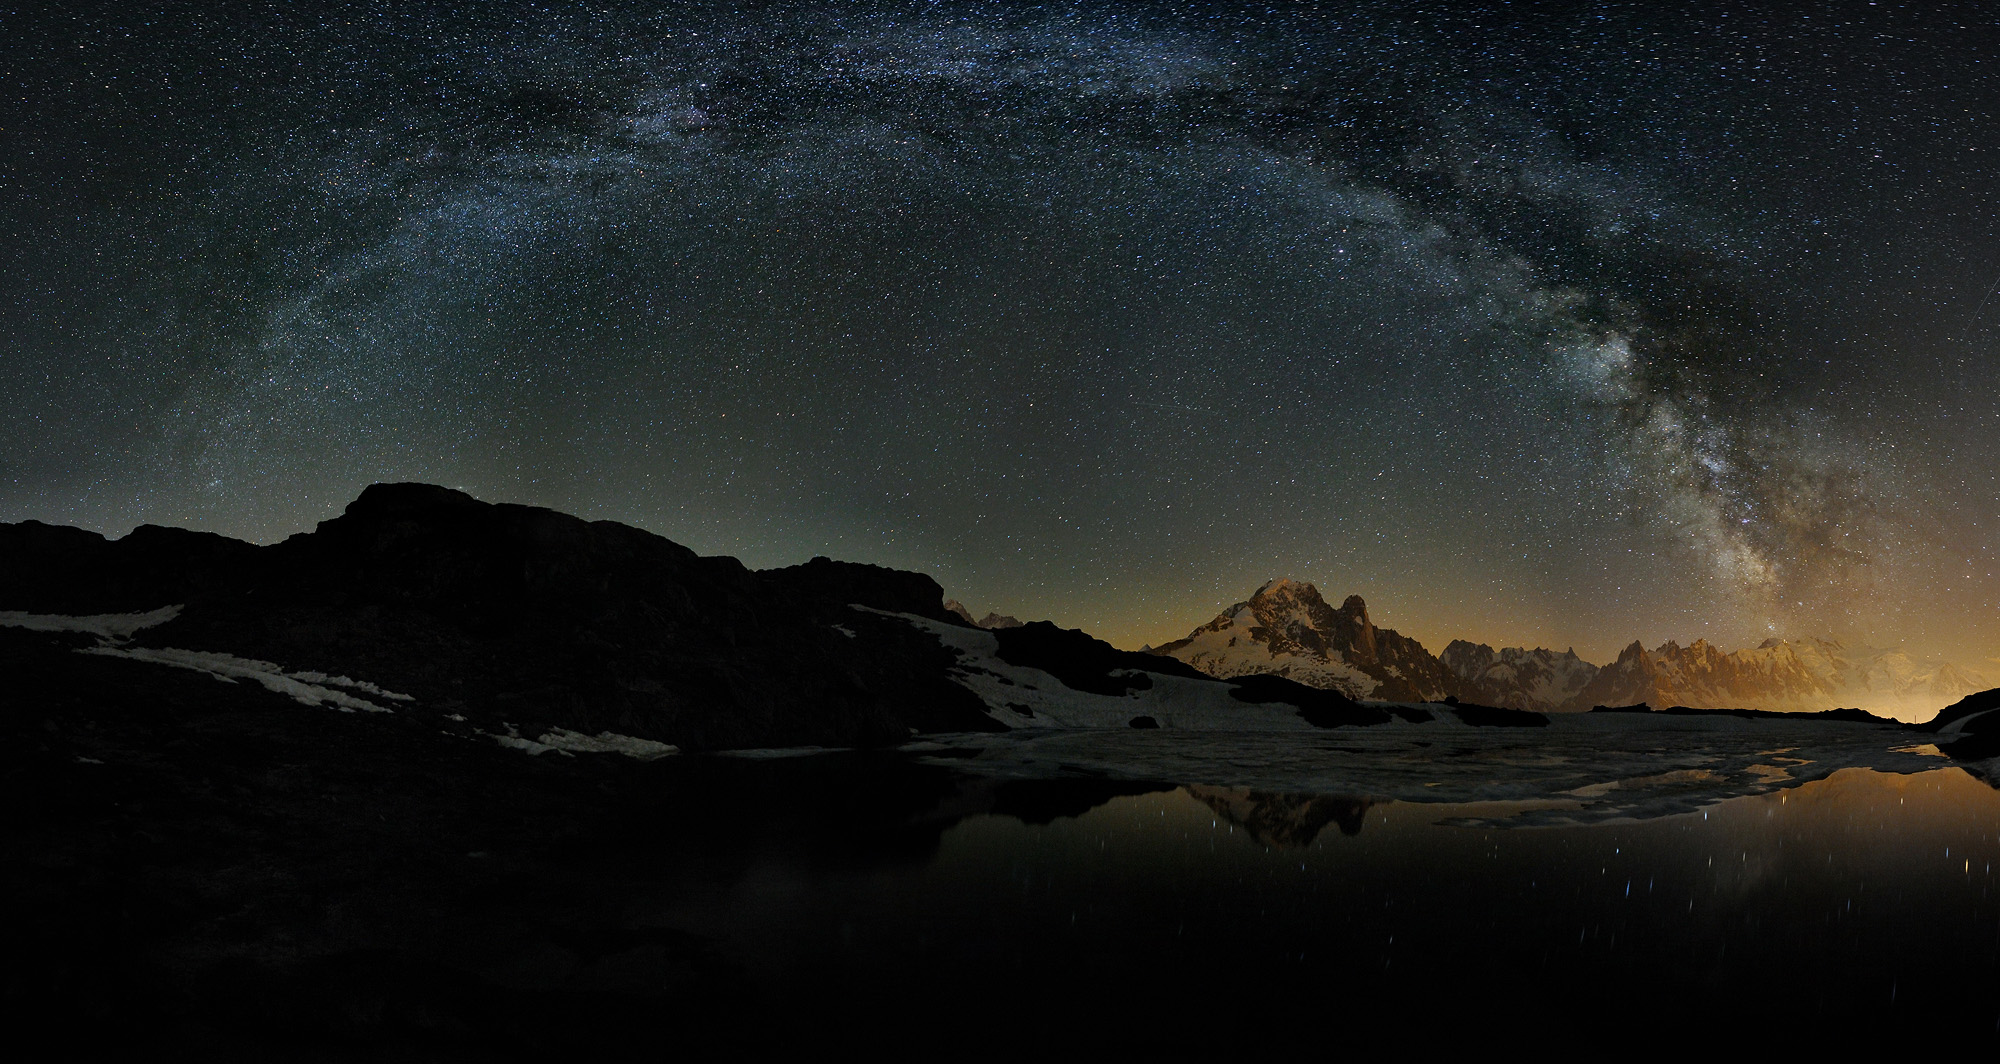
{"x":1286,"y":629}
{"x":541,"y":631}
{"x":1778,"y":674}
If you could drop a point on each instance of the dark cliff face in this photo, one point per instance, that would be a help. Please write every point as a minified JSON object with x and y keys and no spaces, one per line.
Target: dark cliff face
{"x":1407,"y":671}
{"x":1352,"y":622}
{"x":531,"y":617}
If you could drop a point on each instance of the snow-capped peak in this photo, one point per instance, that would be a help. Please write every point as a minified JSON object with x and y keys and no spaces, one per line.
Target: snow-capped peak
{"x":1286,"y":628}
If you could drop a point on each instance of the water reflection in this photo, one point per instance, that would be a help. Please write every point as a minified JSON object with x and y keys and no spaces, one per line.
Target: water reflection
{"x":855,"y":896}
{"x":1286,"y":821}
{"x":1862,"y":900}
{"x":1581,"y":768}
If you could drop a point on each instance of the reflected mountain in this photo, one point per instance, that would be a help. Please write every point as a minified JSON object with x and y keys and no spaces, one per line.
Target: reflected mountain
{"x":1284,"y":821}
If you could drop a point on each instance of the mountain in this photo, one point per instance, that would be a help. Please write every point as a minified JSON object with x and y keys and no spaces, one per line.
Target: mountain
{"x":991,"y":620}
{"x":1286,"y":629}
{"x":1538,"y":679}
{"x":541,"y":631}
{"x":1803,"y":675}
{"x":524,"y":617}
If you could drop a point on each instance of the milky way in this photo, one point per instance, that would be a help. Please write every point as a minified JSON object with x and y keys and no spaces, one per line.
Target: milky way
{"x":1569,"y":324}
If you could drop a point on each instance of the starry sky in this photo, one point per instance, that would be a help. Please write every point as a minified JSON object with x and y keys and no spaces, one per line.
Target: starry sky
{"x":1557,"y":324}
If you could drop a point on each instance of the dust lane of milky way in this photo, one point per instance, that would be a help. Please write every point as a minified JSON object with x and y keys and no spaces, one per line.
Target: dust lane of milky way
{"x":1556,"y":324}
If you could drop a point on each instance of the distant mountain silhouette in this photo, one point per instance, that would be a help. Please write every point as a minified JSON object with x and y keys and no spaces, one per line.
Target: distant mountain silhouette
{"x":991,"y":620}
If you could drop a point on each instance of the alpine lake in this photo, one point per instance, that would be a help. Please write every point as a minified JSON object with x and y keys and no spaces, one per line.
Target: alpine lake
{"x":994,"y":894}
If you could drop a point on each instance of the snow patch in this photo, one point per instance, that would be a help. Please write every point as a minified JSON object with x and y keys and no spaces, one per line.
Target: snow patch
{"x":363,"y":686}
{"x":115,"y":630}
{"x":308,"y":688}
{"x":513,"y":741}
{"x":569,"y":743}
{"x":608,"y":743}
{"x":116,"y":627}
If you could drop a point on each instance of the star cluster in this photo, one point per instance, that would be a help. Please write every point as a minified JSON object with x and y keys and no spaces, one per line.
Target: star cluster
{"x":1556,"y":323}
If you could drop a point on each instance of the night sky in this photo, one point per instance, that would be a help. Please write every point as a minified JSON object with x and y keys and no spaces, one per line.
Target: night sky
{"x":1531,"y":323}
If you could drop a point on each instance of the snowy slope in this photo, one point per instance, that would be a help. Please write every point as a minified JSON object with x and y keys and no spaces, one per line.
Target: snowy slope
{"x":1025,"y":697}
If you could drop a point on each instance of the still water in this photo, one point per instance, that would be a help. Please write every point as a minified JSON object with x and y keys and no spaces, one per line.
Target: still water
{"x":1860,"y":904}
